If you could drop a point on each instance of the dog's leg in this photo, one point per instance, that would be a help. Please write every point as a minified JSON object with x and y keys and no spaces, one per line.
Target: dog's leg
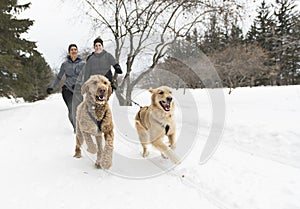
{"x":143,"y":136}
{"x":106,"y":157}
{"x":145,"y":150}
{"x":172,"y":141}
{"x":100,"y":150}
{"x":165,"y":150}
{"x":173,"y":157}
{"x":91,"y":146}
{"x":79,"y":141}
{"x":77,"y":149}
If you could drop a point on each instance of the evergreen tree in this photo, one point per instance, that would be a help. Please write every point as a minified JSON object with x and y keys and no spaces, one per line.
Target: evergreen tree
{"x":262,"y":29}
{"x":236,"y":34}
{"x":23,"y":71}
{"x":211,"y":41}
{"x":262,"y":33}
{"x":13,"y":49}
{"x":296,"y":49}
{"x":34,"y":78}
{"x":278,"y":34}
{"x":252,"y":33}
{"x":188,"y":46}
{"x":214,"y":38}
{"x":284,"y":52}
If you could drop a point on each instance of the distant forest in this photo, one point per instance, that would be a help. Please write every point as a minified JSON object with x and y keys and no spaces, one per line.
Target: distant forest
{"x":269,"y":54}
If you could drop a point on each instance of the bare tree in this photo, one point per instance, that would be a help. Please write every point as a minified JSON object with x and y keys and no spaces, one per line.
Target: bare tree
{"x":145,"y":28}
{"x":241,"y":65}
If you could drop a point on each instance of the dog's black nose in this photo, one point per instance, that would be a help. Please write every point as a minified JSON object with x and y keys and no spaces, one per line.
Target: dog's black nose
{"x":169,"y":99}
{"x":101,"y":91}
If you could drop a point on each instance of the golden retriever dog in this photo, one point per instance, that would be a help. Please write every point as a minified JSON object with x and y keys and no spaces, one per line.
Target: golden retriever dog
{"x":94,"y":118}
{"x":157,"y":120}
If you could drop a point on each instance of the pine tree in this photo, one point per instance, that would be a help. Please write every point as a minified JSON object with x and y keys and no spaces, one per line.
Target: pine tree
{"x":214,"y":38}
{"x":262,"y":34}
{"x":236,"y":34}
{"x":188,"y":46}
{"x":285,"y":53}
{"x":23,"y":70}
{"x":266,"y":29}
{"x":296,"y":49}
{"x":13,"y":48}
{"x":34,"y":78}
{"x":252,"y":33}
{"x":262,"y":29}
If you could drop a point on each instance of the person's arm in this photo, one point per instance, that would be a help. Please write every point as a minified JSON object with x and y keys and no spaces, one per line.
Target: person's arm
{"x":86,"y":73}
{"x":81,"y":77}
{"x":116,"y":65}
{"x":57,"y":80}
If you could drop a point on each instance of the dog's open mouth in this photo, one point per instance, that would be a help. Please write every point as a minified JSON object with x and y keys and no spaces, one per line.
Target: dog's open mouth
{"x":165,"y":105}
{"x":100,"y":98}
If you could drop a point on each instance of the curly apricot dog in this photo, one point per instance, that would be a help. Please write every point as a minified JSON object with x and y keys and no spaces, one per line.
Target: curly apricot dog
{"x":94,"y":118}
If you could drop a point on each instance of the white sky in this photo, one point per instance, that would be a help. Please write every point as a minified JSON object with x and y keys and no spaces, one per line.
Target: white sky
{"x":56,"y":25}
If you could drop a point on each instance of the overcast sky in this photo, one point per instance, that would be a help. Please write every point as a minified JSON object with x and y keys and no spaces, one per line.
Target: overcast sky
{"x":56,"y":25}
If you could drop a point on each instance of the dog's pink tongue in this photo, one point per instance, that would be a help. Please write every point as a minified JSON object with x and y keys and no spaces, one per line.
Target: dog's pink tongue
{"x":167,"y":106}
{"x":102,"y":97}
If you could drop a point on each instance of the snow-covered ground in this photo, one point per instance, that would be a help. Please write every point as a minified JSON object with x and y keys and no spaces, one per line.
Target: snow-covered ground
{"x":256,"y":165}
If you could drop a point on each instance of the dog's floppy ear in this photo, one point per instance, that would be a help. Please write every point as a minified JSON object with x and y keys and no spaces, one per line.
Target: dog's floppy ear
{"x":84,"y":88}
{"x":110,"y":90}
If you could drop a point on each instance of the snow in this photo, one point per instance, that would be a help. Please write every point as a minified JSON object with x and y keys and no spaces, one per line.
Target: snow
{"x":255,"y":166}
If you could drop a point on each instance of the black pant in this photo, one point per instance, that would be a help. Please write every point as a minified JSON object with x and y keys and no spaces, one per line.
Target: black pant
{"x":68,"y":97}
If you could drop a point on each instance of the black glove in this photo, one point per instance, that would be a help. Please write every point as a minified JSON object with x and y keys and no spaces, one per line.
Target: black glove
{"x":49,"y":90}
{"x":118,"y":69}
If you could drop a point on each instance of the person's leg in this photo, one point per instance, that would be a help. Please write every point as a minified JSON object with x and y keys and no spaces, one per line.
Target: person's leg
{"x":68,"y":96}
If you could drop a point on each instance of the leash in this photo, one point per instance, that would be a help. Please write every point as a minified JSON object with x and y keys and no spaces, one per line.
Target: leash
{"x":135,"y":103}
{"x":131,"y":100}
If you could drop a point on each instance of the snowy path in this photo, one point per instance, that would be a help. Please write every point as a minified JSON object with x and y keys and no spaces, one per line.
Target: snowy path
{"x":256,"y":166}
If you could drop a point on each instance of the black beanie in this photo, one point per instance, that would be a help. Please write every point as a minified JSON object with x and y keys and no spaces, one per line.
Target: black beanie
{"x":98,"y":40}
{"x":70,"y":46}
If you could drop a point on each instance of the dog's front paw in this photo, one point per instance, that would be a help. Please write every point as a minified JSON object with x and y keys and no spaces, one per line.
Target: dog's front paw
{"x":145,"y":154}
{"x":105,"y":164}
{"x":77,"y":154}
{"x":77,"y":151}
{"x":98,"y":164}
{"x":172,"y":156}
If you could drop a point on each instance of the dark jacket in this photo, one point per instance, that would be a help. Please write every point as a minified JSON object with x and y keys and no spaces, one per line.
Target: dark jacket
{"x":100,"y":64}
